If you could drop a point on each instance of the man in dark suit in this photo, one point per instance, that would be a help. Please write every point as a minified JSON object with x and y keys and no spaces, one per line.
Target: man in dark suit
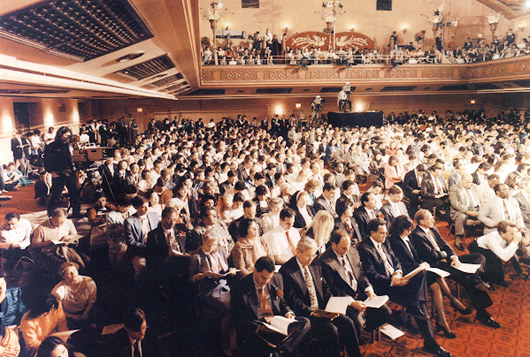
{"x":166,"y":246}
{"x":412,"y":186}
{"x":107,"y":171}
{"x":433,"y":249}
{"x":383,"y":270}
{"x":366,"y":212}
{"x":394,"y":206}
{"x":347,"y":193}
{"x":326,"y":200}
{"x":480,"y":176}
{"x":341,"y":267}
{"x":134,"y":339}
{"x":434,"y":191}
{"x":306,"y":292}
{"x":254,"y":300}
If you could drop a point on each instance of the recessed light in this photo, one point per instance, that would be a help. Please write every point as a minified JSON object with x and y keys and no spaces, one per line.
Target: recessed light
{"x":130,"y":57}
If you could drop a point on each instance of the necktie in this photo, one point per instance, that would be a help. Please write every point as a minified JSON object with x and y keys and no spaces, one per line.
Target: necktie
{"x":432,"y":240}
{"x":264,"y":305}
{"x":506,"y":211}
{"x":471,"y":200}
{"x":137,"y":352}
{"x":436,"y":186}
{"x":349,"y":273}
{"x":407,"y":243}
{"x":311,"y":288}
{"x":388,"y":266}
{"x":293,"y":248}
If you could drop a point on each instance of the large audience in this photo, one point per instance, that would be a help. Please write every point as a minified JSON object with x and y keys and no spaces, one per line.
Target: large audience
{"x":190,"y":223}
{"x":268,"y":49}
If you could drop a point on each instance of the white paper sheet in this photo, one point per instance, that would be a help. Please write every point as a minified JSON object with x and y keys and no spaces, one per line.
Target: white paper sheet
{"x":440,"y":272}
{"x":376,"y":302}
{"x":391,"y":331}
{"x":468,"y":268}
{"x":338,"y":304}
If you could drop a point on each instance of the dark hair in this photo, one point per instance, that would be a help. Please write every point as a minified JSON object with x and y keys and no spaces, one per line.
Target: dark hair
{"x":133,"y":319}
{"x":42,"y":304}
{"x":337,"y":235}
{"x":238,"y":197}
{"x":400,"y":224}
{"x":287,"y":213}
{"x":167,"y":211}
{"x":205,"y":211}
{"x":49,"y":344}
{"x":12,"y":215}
{"x":497,"y":187}
{"x":240,"y":186}
{"x":365,"y":197}
{"x":502,"y":227}
{"x":346,"y":185}
{"x":138,"y":201}
{"x":244,"y":225}
{"x":342,"y":206}
{"x":261,"y":190}
{"x":249,"y":204}
{"x":264,"y":263}
{"x":329,"y":186}
{"x":374,"y":224}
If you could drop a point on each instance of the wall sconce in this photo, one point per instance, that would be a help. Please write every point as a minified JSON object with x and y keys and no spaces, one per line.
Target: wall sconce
{"x":352,"y":29}
{"x":405,"y":29}
{"x":139,"y":110}
{"x":298,"y":105}
{"x":227,"y":27}
{"x":521,"y":27}
{"x":480,"y":35}
{"x":472,"y":101}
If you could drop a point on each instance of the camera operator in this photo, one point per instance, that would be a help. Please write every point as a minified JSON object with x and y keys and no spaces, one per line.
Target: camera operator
{"x":317,"y":104}
{"x":343,"y":98}
{"x":58,"y":161}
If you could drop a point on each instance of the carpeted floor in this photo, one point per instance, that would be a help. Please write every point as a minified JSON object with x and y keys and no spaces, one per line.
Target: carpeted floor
{"x":511,"y":309}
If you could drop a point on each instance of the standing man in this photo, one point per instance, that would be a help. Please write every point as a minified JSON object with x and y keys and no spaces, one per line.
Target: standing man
{"x":58,"y":161}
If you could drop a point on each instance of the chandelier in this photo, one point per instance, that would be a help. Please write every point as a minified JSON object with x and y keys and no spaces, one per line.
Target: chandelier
{"x":331,"y":10}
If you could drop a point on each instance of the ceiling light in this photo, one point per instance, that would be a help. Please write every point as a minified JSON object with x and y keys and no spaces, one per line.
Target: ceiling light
{"x":130,"y":57}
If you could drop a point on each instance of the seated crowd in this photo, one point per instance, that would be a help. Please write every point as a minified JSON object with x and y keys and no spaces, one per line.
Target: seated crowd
{"x":189,"y":225}
{"x":268,"y":49}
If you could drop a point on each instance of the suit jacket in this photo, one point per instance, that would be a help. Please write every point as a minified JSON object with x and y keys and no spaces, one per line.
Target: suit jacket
{"x":296,"y":292}
{"x":245,"y":304}
{"x":410,"y":183}
{"x":428,"y":185}
{"x":356,"y":231}
{"x":492,"y":212}
{"x":407,"y":257}
{"x":133,"y":229}
{"x":453,"y":180}
{"x":299,"y":220}
{"x":120,"y":183}
{"x":335,"y":274}
{"x":389,"y":212}
{"x":477,"y":178}
{"x":17,"y":152}
{"x":362,"y":217}
{"x":120,"y":345}
{"x":374,"y":267}
{"x":321,"y":203}
{"x":157,"y":249}
{"x":426,"y":251}
{"x":524,"y":206}
{"x":460,"y":201}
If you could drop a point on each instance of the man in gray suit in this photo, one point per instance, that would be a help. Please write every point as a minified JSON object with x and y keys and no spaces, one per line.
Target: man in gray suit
{"x":499,"y":208}
{"x":326,"y":200}
{"x":464,"y":206}
{"x":394,"y":206}
{"x":139,"y":225}
{"x":523,"y":198}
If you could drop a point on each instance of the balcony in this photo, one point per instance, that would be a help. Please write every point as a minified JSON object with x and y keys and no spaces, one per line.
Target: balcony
{"x":498,"y":76}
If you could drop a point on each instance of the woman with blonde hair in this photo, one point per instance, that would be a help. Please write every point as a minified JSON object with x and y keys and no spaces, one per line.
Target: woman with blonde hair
{"x":320,"y":229}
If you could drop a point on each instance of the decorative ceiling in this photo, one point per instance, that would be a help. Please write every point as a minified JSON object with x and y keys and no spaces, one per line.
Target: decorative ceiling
{"x":80,"y":30}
